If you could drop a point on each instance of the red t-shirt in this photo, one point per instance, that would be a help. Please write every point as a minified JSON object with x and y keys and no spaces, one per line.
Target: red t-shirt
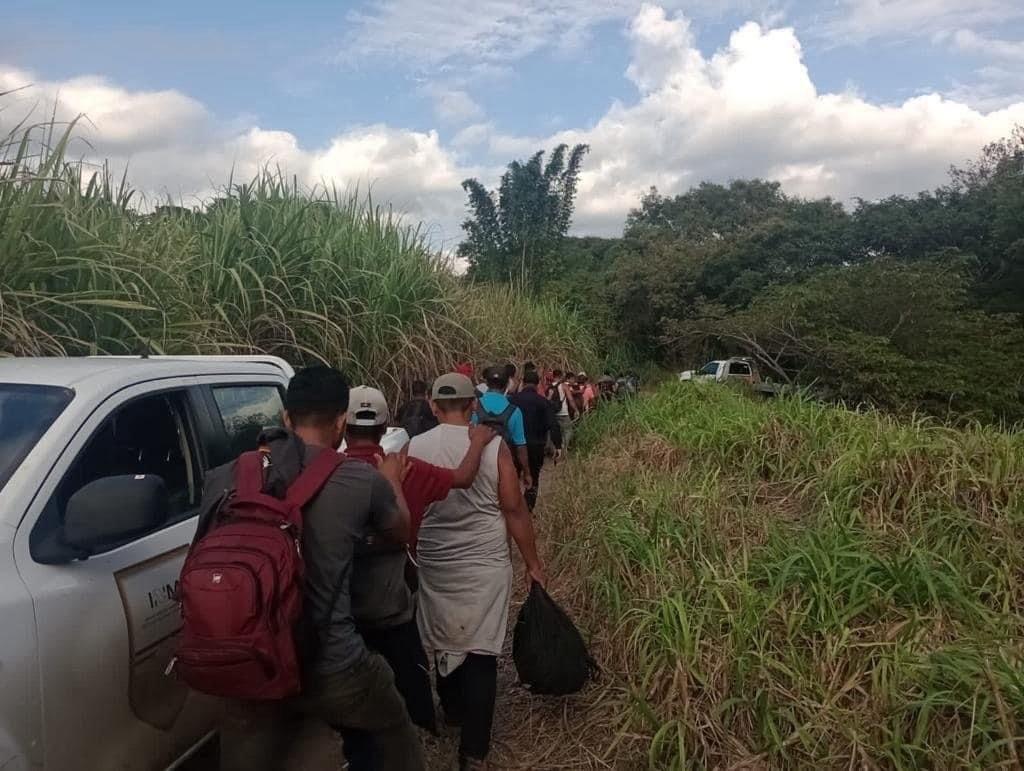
{"x":424,"y":484}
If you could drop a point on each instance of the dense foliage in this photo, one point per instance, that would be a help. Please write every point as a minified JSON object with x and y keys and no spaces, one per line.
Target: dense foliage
{"x":906,"y":303}
{"x":779,"y":584}
{"x":267,"y":267}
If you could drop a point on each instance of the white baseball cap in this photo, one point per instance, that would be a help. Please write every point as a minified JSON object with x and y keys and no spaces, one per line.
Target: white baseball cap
{"x":453,"y":386}
{"x":367,"y":407}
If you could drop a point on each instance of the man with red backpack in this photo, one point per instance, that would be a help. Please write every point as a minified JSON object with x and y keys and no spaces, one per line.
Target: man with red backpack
{"x":295,"y":487}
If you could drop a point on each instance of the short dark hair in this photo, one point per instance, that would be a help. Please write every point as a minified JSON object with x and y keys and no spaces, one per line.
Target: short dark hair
{"x":419,"y":388}
{"x":453,"y":405}
{"x":557,"y":373}
{"x":316,"y":396}
{"x":529,"y":366}
{"x":531,"y":377}
{"x":365,"y":432}
{"x":496,"y":377}
{"x":510,"y":370}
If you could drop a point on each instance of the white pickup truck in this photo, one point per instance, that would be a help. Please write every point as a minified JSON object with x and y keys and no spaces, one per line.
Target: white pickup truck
{"x":88,"y":566}
{"x":734,"y":370}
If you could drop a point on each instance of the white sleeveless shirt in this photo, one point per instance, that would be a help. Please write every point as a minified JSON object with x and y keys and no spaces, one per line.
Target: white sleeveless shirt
{"x":463,"y":554}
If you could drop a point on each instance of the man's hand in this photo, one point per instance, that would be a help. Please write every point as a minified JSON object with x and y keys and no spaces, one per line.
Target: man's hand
{"x":394,"y":467}
{"x":527,"y":480}
{"x":559,"y":454}
{"x":481,"y":435}
{"x":536,"y":573}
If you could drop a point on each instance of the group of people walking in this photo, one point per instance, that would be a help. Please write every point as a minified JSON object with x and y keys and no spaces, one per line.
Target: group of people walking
{"x":406,"y":555}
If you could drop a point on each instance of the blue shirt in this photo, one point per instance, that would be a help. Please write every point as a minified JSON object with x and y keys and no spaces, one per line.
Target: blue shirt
{"x":496,"y":403}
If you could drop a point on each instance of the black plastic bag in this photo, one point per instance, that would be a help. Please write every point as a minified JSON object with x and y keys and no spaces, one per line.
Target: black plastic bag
{"x":548,"y":650}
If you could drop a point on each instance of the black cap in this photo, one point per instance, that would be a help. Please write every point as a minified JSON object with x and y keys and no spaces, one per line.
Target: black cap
{"x":495,"y":377}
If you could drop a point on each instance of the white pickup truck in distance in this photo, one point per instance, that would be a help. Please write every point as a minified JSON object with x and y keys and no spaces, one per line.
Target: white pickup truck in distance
{"x":101,"y":469}
{"x":735,"y":369}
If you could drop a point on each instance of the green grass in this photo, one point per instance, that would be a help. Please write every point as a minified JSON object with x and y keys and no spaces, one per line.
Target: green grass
{"x":311,"y":275}
{"x":783,"y":584}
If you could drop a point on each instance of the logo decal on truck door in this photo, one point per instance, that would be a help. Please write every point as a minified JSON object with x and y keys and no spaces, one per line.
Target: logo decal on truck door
{"x":151,"y":609}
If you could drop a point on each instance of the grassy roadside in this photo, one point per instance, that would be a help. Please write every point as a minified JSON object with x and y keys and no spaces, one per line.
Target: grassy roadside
{"x":780,"y":584}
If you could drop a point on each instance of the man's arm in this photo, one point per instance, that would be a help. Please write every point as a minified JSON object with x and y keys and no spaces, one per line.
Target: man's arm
{"x":390,"y":511}
{"x":465,"y":474}
{"x":517,"y":516}
{"x":517,"y":433}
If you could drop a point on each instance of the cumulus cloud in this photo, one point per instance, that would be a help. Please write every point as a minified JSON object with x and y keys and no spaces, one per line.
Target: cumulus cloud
{"x":750,"y":109}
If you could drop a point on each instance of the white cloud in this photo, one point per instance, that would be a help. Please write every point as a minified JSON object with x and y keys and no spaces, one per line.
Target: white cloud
{"x":750,"y":109}
{"x":992,"y":88}
{"x":487,"y":31}
{"x":484,"y":34}
{"x":453,"y":106}
{"x":862,"y":20}
{"x":971,"y":42}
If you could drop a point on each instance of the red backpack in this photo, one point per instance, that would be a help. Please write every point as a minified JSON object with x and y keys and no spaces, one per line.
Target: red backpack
{"x":241,"y":587}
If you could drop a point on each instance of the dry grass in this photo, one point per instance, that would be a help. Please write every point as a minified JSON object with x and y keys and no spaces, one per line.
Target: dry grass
{"x":546,"y":732}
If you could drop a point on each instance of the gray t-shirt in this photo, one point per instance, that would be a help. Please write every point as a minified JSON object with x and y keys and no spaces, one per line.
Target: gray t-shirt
{"x":355,"y":501}
{"x":381,"y":598}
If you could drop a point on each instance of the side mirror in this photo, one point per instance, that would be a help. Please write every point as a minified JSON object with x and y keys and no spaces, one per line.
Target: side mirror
{"x":110,"y":511}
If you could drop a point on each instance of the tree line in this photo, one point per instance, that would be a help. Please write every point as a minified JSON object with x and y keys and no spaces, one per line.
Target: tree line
{"x":909,"y":302}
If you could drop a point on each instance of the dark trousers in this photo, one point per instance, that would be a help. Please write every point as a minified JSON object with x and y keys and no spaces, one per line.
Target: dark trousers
{"x":258,"y":736}
{"x":535,"y":453}
{"x":467,"y":696}
{"x":402,"y":649}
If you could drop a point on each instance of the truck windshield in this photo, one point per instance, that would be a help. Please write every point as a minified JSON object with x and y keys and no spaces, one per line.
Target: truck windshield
{"x":711,"y":368}
{"x":26,"y":411}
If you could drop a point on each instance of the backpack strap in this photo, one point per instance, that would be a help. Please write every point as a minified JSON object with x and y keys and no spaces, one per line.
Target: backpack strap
{"x":313,"y":478}
{"x":249,"y":473}
{"x":504,"y":416}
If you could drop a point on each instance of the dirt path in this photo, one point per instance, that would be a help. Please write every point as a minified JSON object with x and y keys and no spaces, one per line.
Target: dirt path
{"x":545,"y":732}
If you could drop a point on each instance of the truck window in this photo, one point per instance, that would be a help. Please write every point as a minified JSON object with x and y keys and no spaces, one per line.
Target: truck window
{"x":150,"y":435}
{"x":26,"y":411}
{"x":245,"y":410}
{"x":711,"y":368}
{"x":739,"y":368}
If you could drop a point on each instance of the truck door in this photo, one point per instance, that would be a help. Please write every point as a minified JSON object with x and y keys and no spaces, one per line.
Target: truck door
{"x":739,"y":370}
{"x":106,"y":623}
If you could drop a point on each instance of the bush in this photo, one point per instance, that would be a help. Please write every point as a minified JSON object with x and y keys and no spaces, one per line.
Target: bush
{"x":789,"y":585}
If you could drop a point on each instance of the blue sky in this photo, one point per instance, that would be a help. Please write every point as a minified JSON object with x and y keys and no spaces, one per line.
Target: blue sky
{"x":842,"y":98}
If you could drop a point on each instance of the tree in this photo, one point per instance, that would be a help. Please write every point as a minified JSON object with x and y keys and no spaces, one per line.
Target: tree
{"x":708,"y":211}
{"x":511,"y":232}
{"x":888,"y":333}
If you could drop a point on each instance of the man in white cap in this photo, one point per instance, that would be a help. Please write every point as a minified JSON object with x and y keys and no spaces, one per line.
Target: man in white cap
{"x":466,"y":568}
{"x":382,"y":602}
